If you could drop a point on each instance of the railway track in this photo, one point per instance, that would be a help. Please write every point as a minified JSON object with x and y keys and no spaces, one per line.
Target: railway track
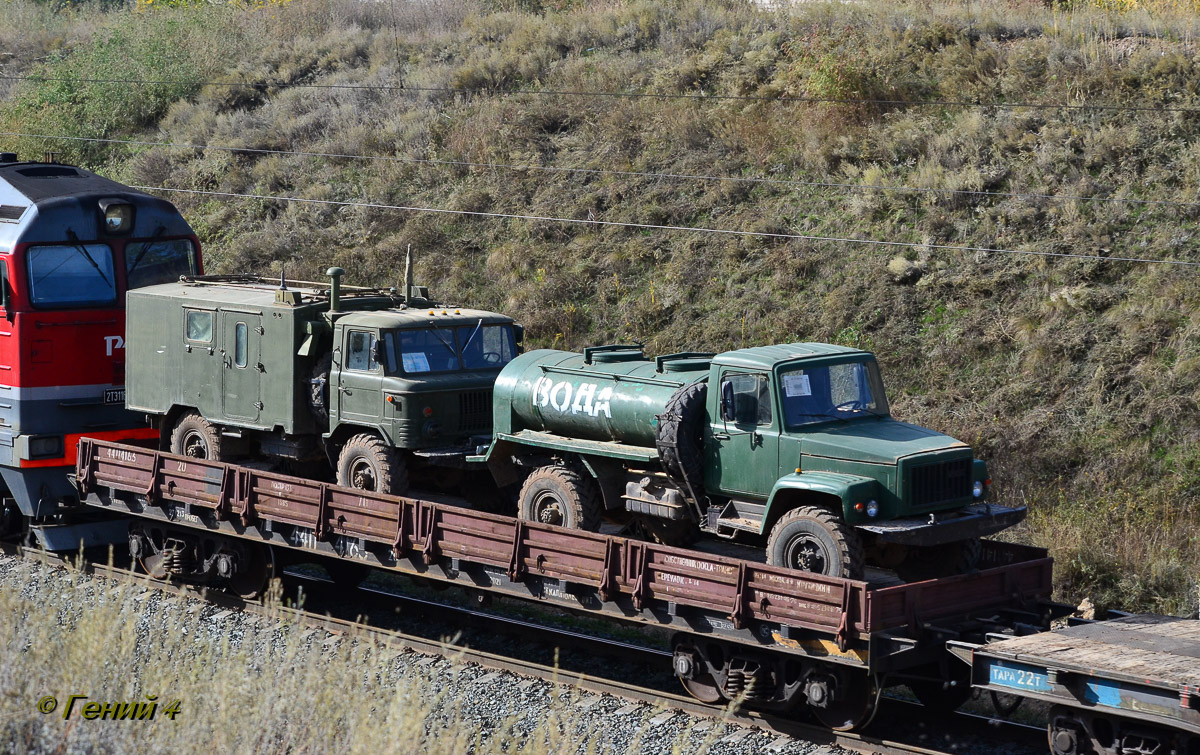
{"x":953,"y":735}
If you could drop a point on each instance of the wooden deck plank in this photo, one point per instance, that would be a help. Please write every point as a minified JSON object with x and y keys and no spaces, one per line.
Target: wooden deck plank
{"x":1162,"y":650}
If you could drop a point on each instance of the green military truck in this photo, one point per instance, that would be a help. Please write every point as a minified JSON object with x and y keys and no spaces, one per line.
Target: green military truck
{"x":792,"y":443}
{"x":378,"y":382}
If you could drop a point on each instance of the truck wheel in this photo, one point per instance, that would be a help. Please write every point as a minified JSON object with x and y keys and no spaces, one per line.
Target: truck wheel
{"x":196,"y":437}
{"x":813,"y":539}
{"x":563,"y":497}
{"x":367,"y":463}
{"x":680,"y":440}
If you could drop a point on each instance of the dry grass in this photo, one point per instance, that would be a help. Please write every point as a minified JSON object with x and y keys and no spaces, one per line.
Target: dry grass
{"x":1078,"y":380}
{"x":271,"y":688}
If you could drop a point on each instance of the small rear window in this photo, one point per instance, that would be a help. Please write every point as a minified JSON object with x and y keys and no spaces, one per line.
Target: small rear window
{"x":199,"y":326}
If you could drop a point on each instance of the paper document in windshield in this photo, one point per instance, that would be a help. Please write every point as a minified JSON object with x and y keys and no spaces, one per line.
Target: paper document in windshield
{"x":796,"y":385}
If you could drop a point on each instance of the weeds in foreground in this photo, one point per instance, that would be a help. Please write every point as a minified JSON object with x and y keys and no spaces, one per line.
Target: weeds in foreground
{"x":273,"y":686}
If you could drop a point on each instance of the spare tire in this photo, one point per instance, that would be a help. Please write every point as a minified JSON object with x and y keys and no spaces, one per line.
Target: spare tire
{"x":680,"y":441}
{"x":318,"y":391}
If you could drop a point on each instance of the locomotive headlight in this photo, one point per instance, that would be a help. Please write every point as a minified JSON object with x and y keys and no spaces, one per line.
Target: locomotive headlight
{"x":45,"y":447}
{"x":978,"y":489}
{"x":118,"y":216}
{"x":872,"y":508}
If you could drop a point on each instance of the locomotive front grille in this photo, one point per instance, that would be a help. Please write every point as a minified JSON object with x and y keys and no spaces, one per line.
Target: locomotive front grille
{"x":940,"y":482}
{"x":474,"y":411}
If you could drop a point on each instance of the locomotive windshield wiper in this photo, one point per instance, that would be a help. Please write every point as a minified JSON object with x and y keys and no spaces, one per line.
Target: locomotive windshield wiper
{"x":86,"y":255}
{"x":153,"y":242}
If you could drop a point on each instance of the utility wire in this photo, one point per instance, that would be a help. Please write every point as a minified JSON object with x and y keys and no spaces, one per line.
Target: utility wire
{"x":657,"y":227}
{"x":507,"y":91}
{"x":610,"y":172}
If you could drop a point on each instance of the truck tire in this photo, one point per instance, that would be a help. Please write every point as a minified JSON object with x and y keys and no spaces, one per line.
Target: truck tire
{"x":563,"y":497}
{"x":196,"y":437}
{"x":367,"y":463}
{"x":680,"y":440}
{"x":813,"y":539}
{"x":318,"y":390}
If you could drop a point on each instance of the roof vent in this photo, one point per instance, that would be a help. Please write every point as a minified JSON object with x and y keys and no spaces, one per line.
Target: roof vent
{"x":8,"y":157}
{"x":49,"y":171}
{"x":11,"y":213}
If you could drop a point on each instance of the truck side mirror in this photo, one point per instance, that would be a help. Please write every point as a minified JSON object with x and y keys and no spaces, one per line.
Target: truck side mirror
{"x":727,"y":403}
{"x":377,"y":352}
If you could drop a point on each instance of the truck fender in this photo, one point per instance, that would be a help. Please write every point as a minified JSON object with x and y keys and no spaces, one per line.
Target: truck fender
{"x":799,"y":489}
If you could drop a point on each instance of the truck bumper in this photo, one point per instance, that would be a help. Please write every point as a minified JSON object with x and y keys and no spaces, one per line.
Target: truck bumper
{"x":977,"y":520}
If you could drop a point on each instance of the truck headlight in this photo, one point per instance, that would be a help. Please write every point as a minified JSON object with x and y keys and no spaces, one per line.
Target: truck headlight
{"x":978,"y":489}
{"x":872,"y":508}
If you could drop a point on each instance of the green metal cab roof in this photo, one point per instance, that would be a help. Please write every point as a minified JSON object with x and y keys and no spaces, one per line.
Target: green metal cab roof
{"x":365,"y":307}
{"x":766,"y":357}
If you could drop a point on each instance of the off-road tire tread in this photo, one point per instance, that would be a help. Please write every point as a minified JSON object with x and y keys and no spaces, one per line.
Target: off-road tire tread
{"x":855,"y":556}
{"x":393,"y":473}
{"x":582,"y":496}
{"x":680,"y":438}
{"x":193,"y":420}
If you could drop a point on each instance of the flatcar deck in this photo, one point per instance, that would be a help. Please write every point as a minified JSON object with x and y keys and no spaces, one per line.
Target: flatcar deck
{"x":1157,"y":650}
{"x":1127,"y":685}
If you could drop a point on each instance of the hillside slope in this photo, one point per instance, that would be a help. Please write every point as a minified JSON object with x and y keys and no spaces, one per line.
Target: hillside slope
{"x":1077,"y":378}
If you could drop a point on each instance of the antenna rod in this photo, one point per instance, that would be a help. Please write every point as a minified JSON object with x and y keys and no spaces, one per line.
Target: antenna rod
{"x":408,"y":273}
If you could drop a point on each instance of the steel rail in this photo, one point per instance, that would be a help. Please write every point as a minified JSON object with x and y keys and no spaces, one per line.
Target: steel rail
{"x":395,"y":639}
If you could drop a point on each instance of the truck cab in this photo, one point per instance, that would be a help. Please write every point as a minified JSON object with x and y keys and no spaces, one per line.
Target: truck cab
{"x":420,"y":382}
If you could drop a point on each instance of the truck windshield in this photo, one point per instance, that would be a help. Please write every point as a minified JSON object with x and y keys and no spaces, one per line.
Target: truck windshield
{"x":840,"y":391}
{"x":151,"y":262}
{"x":466,"y":347}
{"x":71,"y":275}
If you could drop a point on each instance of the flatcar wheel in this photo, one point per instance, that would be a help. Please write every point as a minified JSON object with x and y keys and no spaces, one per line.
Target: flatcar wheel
{"x":704,"y":688}
{"x":253,"y":580}
{"x":854,"y":707}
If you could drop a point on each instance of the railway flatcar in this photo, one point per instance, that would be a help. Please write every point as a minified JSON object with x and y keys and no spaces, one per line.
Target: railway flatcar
{"x":71,"y":244}
{"x":1126,"y":685}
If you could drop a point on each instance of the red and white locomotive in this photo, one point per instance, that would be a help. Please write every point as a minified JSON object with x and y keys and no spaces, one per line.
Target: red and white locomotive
{"x":71,"y":244}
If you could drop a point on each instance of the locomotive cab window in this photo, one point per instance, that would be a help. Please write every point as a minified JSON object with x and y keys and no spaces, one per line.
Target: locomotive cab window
{"x":199,"y":326}
{"x":148,"y":263}
{"x":71,"y":275}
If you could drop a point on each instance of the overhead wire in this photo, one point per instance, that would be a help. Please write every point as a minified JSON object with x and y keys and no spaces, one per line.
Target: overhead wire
{"x":663,"y":227}
{"x":613,"y":172}
{"x":703,"y":96}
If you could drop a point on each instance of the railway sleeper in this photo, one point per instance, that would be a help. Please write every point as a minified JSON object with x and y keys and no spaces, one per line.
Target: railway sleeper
{"x":1080,"y":732}
{"x":175,"y":553}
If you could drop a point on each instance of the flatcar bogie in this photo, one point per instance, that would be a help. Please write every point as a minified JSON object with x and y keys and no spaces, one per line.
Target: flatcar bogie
{"x":174,"y":553}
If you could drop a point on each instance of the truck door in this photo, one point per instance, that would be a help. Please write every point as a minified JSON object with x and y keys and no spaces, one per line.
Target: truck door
{"x":359,"y":397}
{"x":241,"y":373}
{"x":743,"y":458}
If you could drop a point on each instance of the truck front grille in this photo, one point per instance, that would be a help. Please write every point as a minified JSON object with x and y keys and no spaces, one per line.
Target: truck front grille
{"x":940,"y":482}
{"x":474,"y":411}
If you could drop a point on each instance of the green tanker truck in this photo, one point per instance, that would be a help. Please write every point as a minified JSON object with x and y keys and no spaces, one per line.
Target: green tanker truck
{"x":379,"y":383}
{"x":792,"y":443}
